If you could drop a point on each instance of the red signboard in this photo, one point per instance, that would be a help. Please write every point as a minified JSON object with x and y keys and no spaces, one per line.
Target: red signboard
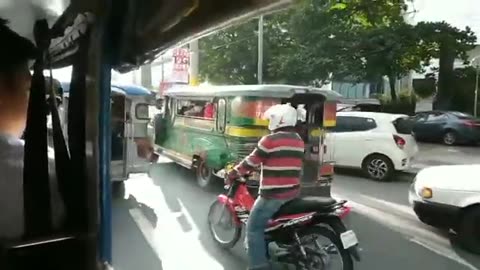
{"x":181,"y":63}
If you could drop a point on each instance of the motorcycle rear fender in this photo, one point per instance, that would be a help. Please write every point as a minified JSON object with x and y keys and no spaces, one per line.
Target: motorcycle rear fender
{"x":223,"y":199}
{"x":338,"y":227}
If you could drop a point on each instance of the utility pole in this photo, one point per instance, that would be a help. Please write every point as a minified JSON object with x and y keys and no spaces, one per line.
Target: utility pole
{"x":146,"y":76}
{"x":194,"y":62}
{"x":260,"y":51}
{"x":475,"y":102}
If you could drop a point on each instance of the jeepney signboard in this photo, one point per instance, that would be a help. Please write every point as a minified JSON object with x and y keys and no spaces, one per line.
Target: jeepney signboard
{"x":181,"y":64}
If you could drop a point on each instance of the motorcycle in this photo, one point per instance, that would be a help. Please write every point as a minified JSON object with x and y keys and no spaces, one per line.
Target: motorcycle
{"x":293,"y":234}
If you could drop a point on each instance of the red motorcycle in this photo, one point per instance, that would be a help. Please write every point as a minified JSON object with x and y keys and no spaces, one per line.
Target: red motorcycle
{"x":294,"y":234}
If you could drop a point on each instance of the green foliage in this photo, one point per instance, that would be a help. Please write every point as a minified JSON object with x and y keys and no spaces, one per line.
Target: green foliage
{"x":424,"y":88}
{"x":405,"y":104}
{"x":322,"y":40}
{"x":464,"y":95}
{"x":442,"y":40}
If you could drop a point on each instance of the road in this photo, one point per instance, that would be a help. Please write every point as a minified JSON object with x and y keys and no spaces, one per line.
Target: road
{"x":161,"y":224}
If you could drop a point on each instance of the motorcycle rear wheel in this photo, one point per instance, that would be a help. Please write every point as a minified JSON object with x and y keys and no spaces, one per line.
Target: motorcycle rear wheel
{"x":226,"y":216}
{"x":347,"y":262}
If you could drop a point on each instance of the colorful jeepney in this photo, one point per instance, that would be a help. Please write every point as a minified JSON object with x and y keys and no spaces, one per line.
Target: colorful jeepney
{"x":207,"y":127}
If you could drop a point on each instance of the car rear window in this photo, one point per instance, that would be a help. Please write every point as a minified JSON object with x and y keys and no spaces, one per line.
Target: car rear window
{"x":403,"y":125}
{"x":462,"y":116}
{"x":354,"y":123}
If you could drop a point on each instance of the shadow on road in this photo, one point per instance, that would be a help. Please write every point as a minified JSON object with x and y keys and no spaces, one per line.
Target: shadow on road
{"x":180,"y":191}
{"x":130,"y":248}
{"x":471,"y":258}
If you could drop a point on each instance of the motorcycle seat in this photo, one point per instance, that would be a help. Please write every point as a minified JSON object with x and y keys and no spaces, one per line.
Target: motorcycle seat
{"x":305,"y":204}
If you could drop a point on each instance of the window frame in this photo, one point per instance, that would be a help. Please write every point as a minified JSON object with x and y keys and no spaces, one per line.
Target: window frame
{"x":221,"y":123}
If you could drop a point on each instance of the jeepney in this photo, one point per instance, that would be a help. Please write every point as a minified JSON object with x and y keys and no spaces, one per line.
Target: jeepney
{"x":130,"y":124}
{"x":205,"y":128}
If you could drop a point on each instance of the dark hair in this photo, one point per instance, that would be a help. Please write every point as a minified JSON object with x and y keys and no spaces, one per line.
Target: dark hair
{"x":15,"y":50}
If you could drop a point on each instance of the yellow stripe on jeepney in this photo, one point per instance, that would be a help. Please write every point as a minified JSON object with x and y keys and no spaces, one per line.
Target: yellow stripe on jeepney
{"x":329,"y":123}
{"x":245,"y":132}
{"x":317,"y":132}
{"x":260,"y":122}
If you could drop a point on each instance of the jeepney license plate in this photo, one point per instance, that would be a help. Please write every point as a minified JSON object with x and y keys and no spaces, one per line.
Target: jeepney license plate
{"x":349,"y":239}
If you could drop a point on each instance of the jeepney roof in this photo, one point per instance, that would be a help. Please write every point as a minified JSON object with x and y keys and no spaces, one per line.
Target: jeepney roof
{"x":129,"y":90}
{"x":258,"y":90}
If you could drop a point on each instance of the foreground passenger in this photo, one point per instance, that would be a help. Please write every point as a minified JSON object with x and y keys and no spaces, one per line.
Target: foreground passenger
{"x":15,"y":80}
{"x":280,"y":154}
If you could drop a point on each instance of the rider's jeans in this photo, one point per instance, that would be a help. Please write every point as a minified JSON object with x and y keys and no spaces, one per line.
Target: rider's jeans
{"x":262,"y":211}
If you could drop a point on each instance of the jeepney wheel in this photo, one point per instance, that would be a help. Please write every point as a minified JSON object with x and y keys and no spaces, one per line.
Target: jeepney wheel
{"x":118,"y":189}
{"x":205,"y":176}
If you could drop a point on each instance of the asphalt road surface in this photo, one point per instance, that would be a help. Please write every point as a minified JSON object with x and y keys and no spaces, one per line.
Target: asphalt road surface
{"x":161,"y":224}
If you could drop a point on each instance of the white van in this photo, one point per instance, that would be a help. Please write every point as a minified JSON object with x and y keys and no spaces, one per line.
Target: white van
{"x":448,"y":197}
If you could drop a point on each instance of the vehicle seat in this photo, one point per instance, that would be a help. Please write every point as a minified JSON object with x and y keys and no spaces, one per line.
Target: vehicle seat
{"x":305,"y":204}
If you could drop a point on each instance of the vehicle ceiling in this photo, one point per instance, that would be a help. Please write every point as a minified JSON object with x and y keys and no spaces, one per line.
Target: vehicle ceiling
{"x":148,"y":27}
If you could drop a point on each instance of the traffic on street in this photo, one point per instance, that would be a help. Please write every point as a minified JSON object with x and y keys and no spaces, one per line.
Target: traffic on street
{"x":160,"y":222}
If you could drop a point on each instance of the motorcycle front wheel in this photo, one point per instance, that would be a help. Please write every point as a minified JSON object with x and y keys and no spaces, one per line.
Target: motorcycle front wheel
{"x":324,"y":250}
{"x":222,"y":227}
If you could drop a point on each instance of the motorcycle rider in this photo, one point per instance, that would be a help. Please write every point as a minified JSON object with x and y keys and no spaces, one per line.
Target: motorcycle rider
{"x":280,"y":156}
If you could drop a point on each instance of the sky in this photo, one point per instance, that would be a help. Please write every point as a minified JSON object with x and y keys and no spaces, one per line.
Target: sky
{"x":460,"y":13}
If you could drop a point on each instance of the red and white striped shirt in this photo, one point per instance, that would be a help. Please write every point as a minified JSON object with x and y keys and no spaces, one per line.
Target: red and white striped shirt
{"x":281,"y":154}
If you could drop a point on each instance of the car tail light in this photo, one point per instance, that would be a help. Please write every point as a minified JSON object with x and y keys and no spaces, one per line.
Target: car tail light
{"x":469,"y":123}
{"x":399,"y":141}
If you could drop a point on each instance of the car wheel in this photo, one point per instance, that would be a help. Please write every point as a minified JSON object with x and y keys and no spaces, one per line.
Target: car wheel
{"x":450,"y":137}
{"x":469,"y":230}
{"x":204,"y":175}
{"x":378,"y":167}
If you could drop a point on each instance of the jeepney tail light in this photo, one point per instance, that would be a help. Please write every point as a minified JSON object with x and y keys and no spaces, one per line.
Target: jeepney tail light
{"x":399,"y":141}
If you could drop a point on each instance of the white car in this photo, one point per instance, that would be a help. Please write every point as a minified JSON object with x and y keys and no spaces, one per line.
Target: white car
{"x":448,"y":197}
{"x":378,"y":143}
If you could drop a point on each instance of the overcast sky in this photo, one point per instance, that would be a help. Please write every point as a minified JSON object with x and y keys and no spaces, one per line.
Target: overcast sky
{"x":459,"y":13}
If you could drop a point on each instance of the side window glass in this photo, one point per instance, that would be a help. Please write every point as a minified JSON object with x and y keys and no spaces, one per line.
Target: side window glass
{"x":342,"y":124}
{"x":436,"y":117}
{"x":196,"y":109}
{"x":420,"y":117}
{"x":363,"y":124}
{"x":221,"y":115}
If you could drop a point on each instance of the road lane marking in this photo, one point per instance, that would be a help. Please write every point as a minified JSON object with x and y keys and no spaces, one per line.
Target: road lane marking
{"x":406,"y":210}
{"x":440,"y":250}
{"x":394,"y":219}
{"x":170,"y":242}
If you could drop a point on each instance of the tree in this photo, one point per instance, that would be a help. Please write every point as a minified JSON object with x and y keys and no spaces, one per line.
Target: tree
{"x":304,"y":45}
{"x":228,"y":57}
{"x":447,"y":43}
{"x":392,"y":51}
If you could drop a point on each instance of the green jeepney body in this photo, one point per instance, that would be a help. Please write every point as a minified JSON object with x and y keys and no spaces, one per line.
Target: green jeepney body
{"x":233,"y":129}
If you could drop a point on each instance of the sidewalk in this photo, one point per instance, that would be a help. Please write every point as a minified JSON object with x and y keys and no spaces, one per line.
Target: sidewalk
{"x":438,"y":154}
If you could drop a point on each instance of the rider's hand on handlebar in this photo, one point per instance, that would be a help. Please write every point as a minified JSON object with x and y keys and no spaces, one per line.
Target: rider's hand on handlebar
{"x":231,"y":176}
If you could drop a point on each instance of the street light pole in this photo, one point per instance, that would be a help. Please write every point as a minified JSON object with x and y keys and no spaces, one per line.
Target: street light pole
{"x":260,"y":51}
{"x":475,"y":104}
{"x":194,"y":55}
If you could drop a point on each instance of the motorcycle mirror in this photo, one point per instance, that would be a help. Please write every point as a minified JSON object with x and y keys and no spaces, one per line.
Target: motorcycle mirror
{"x":221,"y":174}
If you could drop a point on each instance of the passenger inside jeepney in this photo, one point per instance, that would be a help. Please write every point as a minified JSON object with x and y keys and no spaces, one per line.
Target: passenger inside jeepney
{"x":196,"y":110}
{"x":15,"y":82}
{"x":118,"y":126}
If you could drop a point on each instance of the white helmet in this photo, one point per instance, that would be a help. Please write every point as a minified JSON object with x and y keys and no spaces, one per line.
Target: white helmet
{"x":281,"y":115}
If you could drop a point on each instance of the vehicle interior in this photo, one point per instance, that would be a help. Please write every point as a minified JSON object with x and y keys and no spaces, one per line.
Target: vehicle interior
{"x":92,"y":36}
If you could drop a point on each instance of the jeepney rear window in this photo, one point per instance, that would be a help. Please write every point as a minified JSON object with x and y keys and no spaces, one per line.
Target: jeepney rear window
{"x":249,"y":111}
